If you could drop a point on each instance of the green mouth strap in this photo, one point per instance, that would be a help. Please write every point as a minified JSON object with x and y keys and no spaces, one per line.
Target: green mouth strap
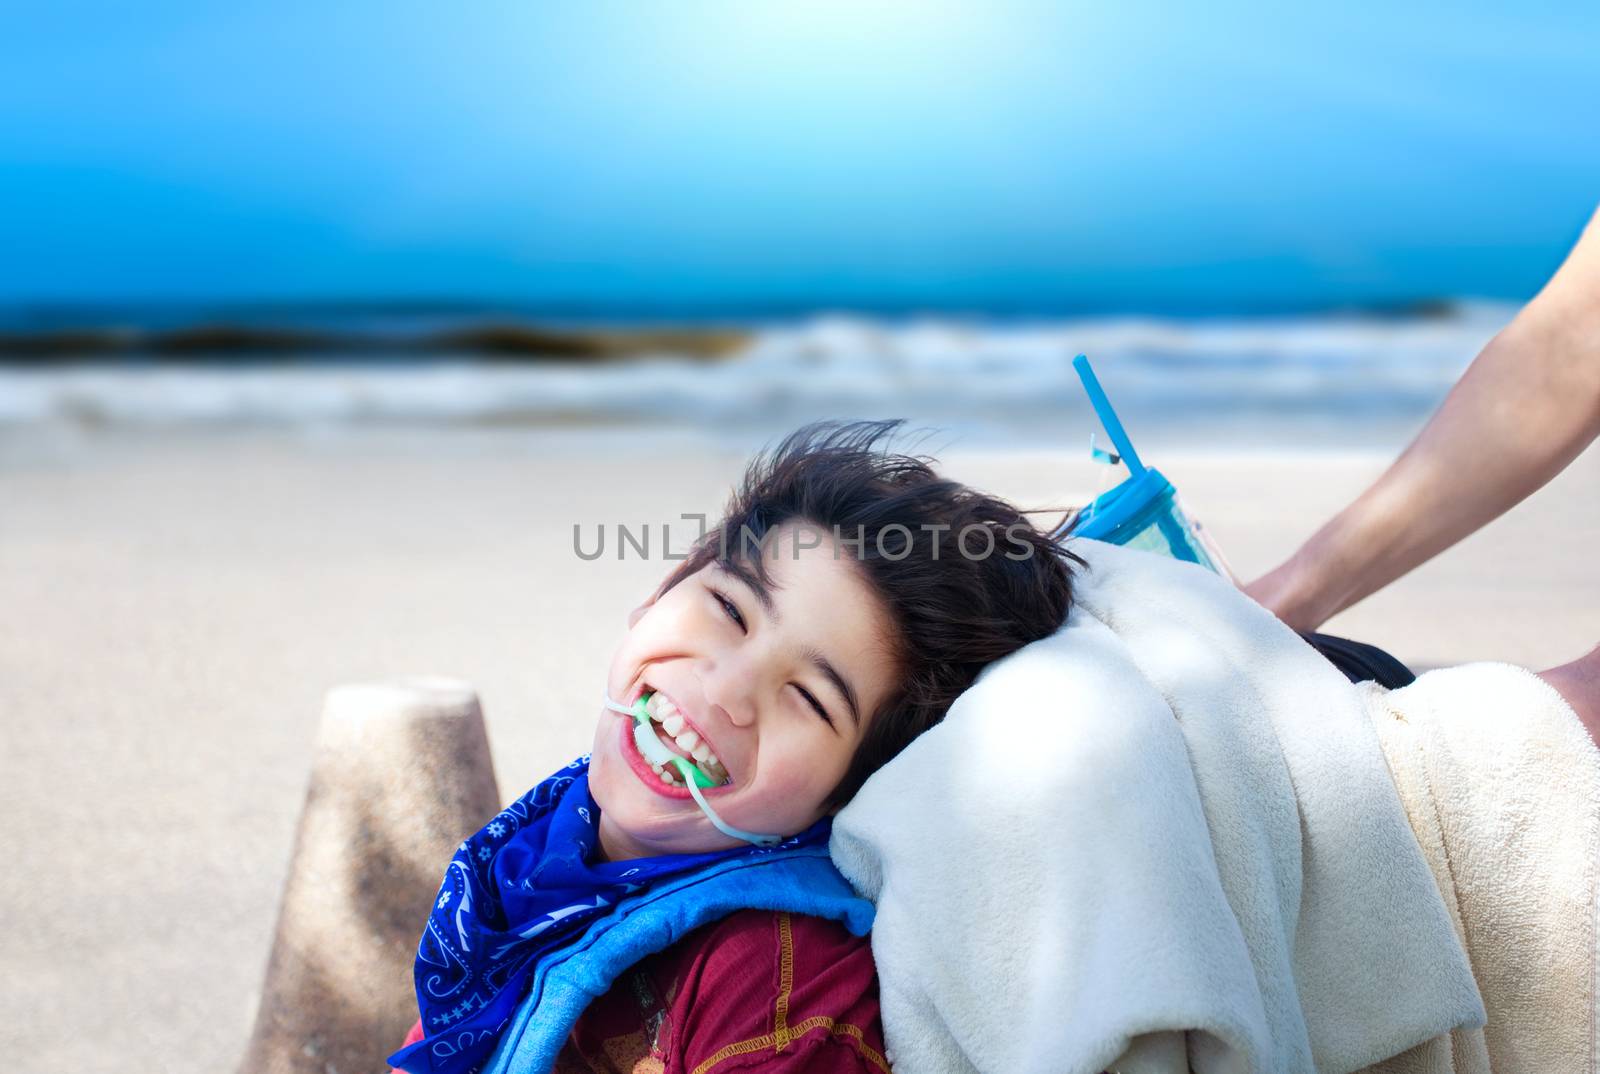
{"x":690,"y":771}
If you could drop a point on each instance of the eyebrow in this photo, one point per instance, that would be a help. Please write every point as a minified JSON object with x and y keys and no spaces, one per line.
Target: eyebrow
{"x":763,"y":594}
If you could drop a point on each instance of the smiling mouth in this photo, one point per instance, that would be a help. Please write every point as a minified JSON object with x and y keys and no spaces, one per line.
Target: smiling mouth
{"x":675,"y":736}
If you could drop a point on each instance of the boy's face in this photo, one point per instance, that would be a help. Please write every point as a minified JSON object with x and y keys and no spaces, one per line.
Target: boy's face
{"x":748,"y":668}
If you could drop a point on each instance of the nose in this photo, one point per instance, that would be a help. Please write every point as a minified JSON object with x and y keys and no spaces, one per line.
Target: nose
{"x":728,"y":685}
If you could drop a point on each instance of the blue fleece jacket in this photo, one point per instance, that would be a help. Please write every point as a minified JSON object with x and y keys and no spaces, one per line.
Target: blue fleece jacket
{"x":801,"y":881}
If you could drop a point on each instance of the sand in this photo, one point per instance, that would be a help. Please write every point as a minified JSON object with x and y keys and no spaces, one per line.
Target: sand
{"x":173,"y":607}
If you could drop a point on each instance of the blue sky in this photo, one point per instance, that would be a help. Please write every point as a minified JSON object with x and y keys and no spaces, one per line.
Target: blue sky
{"x":832,"y":152}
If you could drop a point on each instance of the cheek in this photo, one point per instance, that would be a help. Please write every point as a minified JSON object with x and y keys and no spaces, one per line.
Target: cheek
{"x":681,"y":610}
{"x":601,"y":762}
{"x":610,"y":778}
{"x":605,"y":740}
{"x":809,"y":773}
{"x":797,"y":784}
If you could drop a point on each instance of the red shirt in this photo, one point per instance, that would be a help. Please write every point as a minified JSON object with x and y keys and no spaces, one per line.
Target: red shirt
{"x":774,"y":992}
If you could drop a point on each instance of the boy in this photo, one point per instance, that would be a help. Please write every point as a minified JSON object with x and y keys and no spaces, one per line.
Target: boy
{"x":848,"y":596}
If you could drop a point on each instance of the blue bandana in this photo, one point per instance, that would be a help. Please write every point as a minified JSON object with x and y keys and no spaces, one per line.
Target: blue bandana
{"x":522,"y":886}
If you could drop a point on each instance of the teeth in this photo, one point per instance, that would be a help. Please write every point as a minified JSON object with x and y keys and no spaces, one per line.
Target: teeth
{"x":661,"y":709}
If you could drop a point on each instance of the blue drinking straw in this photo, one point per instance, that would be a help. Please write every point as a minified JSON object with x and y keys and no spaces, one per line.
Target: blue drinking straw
{"x":1108,"y":417}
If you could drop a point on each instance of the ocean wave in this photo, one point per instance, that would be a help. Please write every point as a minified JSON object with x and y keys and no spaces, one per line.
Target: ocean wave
{"x":832,"y":364}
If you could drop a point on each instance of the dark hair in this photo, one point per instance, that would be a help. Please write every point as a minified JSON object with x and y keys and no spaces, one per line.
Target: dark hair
{"x":967,"y":579}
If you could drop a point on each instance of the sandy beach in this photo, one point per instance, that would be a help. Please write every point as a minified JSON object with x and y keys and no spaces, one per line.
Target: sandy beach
{"x":173,"y":607}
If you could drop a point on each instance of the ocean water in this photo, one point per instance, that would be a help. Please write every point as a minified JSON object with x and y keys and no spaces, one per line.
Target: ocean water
{"x":1316,"y":380}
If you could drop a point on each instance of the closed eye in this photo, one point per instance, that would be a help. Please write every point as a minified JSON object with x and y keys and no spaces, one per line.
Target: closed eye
{"x":729,"y":608}
{"x":814,"y":703}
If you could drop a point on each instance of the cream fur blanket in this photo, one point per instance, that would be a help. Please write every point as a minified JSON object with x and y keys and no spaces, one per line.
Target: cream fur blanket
{"x":1502,"y":787}
{"x":1165,"y":838}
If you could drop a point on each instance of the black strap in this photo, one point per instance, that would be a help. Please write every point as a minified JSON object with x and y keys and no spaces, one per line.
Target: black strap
{"x":1361,"y":662}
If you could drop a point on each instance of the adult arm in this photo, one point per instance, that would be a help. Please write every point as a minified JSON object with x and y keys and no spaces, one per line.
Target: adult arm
{"x":1526,"y":407}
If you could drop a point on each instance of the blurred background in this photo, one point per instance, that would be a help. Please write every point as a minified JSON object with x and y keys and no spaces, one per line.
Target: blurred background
{"x":323,"y":326}
{"x":282,"y":214}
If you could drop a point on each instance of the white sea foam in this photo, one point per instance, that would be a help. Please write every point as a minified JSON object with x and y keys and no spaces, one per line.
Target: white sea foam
{"x":1182,"y":369}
